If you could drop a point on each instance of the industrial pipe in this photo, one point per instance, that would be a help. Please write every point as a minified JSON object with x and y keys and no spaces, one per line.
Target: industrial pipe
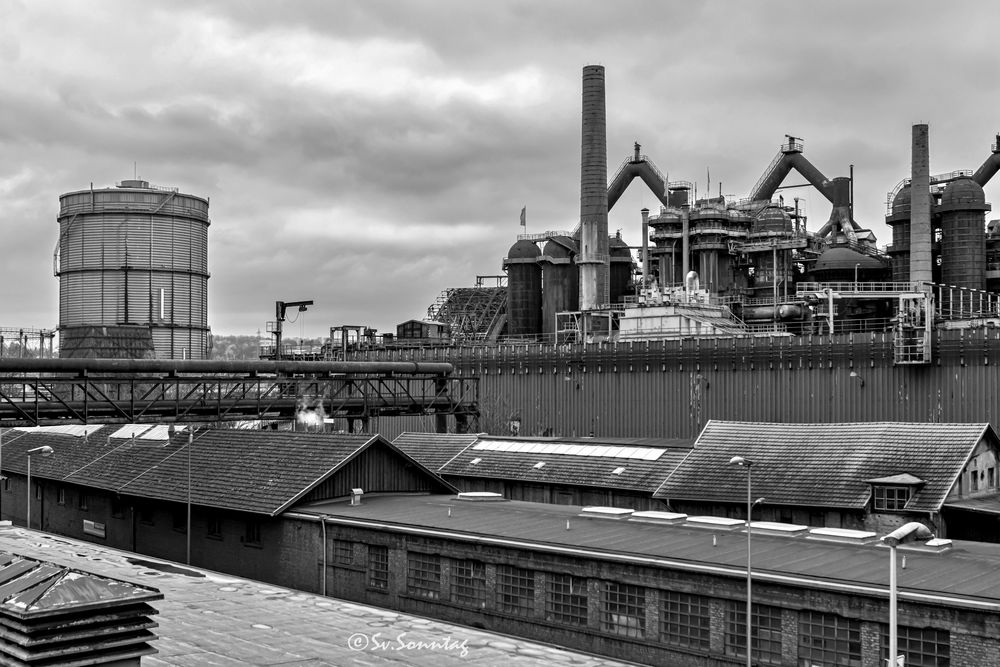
{"x":990,"y":167}
{"x":173,"y":366}
{"x":643,"y":169}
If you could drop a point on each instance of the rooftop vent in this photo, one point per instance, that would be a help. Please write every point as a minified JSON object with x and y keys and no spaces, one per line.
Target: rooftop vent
{"x":606,"y":512}
{"x":655,"y":516}
{"x":618,"y":471}
{"x":842,"y":535}
{"x":475,"y":461}
{"x":480,"y":496}
{"x":539,"y":465}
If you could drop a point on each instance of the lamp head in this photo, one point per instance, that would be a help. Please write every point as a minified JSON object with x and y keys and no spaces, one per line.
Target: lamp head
{"x":740,"y":461}
{"x":44,"y":450}
{"x":908,"y":533}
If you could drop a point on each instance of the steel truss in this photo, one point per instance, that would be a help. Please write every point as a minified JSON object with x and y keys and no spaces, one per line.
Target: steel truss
{"x":186,"y":392}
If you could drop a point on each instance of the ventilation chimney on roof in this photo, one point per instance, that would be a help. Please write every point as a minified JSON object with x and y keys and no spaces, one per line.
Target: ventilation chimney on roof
{"x":356,"y":496}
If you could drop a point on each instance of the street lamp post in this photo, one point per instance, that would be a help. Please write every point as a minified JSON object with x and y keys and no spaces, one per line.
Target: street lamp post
{"x":746,"y":463}
{"x":44,"y":450}
{"x":907,"y":533}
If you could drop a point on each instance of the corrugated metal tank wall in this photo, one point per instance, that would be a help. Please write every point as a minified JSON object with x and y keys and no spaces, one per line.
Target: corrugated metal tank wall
{"x":963,"y":237}
{"x":524,"y":289}
{"x":670,"y":389}
{"x":899,"y":220}
{"x":136,"y":255}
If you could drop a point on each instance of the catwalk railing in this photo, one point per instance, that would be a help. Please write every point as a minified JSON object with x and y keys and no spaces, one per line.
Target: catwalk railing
{"x":52,"y":391}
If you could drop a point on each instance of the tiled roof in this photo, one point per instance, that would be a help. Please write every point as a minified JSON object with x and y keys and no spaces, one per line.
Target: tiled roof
{"x":609,"y":471}
{"x":823,"y":465}
{"x":433,"y":450}
{"x":253,"y":471}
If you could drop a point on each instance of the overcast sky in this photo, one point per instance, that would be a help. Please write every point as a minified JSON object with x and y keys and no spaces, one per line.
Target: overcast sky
{"x":368,"y":155}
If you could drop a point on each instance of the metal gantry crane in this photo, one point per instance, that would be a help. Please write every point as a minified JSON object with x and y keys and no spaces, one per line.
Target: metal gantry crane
{"x":279,"y":316}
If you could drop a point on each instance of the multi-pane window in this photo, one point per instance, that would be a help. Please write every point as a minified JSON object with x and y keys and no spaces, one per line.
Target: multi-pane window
{"x":565,"y":599}
{"x":828,"y":639}
{"x":891,"y":498}
{"x":378,"y":567}
{"x":468,"y":583}
{"x":923,"y":647}
{"x":684,"y":620}
{"x":343,"y":552}
{"x":515,"y":590}
{"x":251,"y":534}
{"x":766,"y":622}
{"x":623,"y":609}
{"x":423,"y":575}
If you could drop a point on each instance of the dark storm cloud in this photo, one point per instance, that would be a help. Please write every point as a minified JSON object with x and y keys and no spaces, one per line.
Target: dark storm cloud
{"x":377,"y":152}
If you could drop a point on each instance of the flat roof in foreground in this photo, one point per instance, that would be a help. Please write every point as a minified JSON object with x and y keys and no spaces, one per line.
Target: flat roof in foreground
{"x":210,"y":618}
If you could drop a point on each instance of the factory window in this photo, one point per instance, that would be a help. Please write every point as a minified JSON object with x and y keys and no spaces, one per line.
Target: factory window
{"x":423,"y":575}
{"x":61,"y":496}
{"x":828,"y":639}
{"x":214,"y":528}
{"x":991,"y":477}
{"x":117,"y":509}
{"x":343,"y":552}
{"x":923,"y":647}
{"x":38,"y":491}
{"x":685,"y":620}
{"x":565,"y":599}
{"x":251,"y":534}
{"x":766,"y":621}
{"x":973,"y":480}
{"x":891,"y":498}
{"x":515,"y":590}
{"x":180,"y":521}
{"x":82,"y":502}
{"x":468,"y":583}
{"x":623,"y":610}
{"x":378,"y":568}
{"x":6,"y":484}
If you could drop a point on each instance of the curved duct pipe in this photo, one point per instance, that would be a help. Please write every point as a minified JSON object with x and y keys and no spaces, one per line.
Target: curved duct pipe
{"x":637,"y":169}
{"x":990,"y":167}
{"x":788,"y":161}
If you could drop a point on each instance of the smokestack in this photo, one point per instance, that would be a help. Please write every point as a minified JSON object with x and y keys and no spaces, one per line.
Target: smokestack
{"x":593,"y":256}
{"x":920,"y":208}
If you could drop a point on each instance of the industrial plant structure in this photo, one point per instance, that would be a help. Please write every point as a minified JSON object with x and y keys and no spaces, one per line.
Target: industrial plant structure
{"x":735,"y":309}
{"x":132,"y":264}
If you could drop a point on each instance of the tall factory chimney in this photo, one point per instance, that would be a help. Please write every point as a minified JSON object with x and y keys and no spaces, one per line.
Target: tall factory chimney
{"x":921,"y":262}
{"x":593,"y":256}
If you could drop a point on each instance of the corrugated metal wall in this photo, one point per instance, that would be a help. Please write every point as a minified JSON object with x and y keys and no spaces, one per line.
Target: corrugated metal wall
{"x":671,"y":388}
{"x":149,"y":247}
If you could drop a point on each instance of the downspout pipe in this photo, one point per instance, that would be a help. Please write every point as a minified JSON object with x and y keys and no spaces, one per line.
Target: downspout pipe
{"x":322,"y":525}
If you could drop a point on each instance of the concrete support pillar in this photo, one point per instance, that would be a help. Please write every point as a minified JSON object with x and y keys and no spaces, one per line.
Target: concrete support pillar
{"x":593,"y":258}
{"x":921,"y":262}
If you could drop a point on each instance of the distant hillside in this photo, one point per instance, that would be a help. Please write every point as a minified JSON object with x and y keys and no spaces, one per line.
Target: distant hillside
{"x":235,"y":348}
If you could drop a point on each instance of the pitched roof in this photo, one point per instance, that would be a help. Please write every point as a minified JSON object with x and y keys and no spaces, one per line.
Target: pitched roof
{"x":824,"y":465}
{"x":262,"y":472}
{"x":433,"y":450}
{"x":572,"y":462}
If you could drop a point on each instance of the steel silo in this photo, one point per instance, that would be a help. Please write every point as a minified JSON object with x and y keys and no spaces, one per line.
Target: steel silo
{"x":133,"y":258}
{"x":963,"y":240}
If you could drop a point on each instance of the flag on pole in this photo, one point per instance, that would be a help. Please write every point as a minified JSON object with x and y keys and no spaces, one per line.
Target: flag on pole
{"x":523,"y":221}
